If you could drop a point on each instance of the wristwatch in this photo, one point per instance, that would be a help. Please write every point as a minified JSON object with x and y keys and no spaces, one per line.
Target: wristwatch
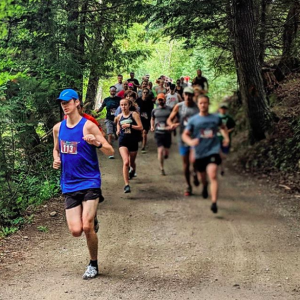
{"x":100,"y":146}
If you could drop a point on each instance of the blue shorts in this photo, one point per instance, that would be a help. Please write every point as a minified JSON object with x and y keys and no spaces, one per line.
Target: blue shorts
{"x":184,"y":150}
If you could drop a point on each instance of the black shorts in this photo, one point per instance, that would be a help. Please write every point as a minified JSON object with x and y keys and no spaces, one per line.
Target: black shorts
{"x":131,"y":144}
{"x":146,"y":124}
{"x":201,"y":163}
{"x":74,"y":199}
{"x":163,"y":140}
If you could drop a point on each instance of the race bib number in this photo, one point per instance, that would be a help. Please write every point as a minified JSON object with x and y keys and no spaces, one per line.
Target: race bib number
{"x":112,"y":111}
{"x":127,"y":130}
{"x":161,"y":126}
{"x":207,"y":134}
{"x":144,"y":115}
{"x":68,"y":147}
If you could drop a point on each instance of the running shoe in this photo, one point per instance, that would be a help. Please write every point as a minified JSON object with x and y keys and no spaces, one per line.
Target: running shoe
{"x":163,"y":172}
{"x":96,"y":224}
{"x":222,"y":173}
{"x":188,"y":191}
{"x":91,"y":272}
{"x":196,"y":180}
{"x":111,"y":157}
{"x":214,"y":208}
{"x":127,"y":189}
{"x":205,"y":191}
{"x":166,"y":156}
{"x":143,"y":150}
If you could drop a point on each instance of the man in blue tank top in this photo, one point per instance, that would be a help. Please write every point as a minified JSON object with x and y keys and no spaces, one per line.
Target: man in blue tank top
{"x":75,"y":143}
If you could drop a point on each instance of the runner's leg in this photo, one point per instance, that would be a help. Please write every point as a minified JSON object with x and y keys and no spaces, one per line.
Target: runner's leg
{"x":132,"y":157}
{"x":88,"y":215}
{"x":74,"y":220}
{"x":160,"y":156}
{"x":144,"y":139}
{"x":125,"y":157}
{"x":186,"y":170}
{"x":211,"y":170}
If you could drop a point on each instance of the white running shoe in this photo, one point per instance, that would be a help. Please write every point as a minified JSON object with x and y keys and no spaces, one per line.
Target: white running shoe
{"x":91,"y":272}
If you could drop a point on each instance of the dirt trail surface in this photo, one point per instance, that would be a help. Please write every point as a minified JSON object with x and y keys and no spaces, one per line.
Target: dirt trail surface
{"x":157,"y":244}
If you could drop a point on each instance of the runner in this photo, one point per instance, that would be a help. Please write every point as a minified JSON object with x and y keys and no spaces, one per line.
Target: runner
{"x":144,"y":86}
{"x":129,"y":125}
{"x":146,"y":106}
{"x":162,"y":131}
{"x":201,"y":81}
{"x":185,"y":110}
{"x":134,"y":81}
{"x":228,"y":121}
{"x":182,"y":83}
{"x":125,"y":88}
{"x":75,"y":143}
{"x":111,"y":103}
{"x":160,"y":88}
{"x":179,"y":88}
{"x":119,"y":85}
{"x":201,"y":134}
{"x":173,"y":98}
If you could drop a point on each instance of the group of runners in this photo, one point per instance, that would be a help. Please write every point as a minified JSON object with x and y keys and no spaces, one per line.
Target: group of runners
{"x":132,"y":110}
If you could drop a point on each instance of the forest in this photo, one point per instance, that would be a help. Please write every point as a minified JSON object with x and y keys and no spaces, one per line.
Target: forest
{"x":247,"y":48}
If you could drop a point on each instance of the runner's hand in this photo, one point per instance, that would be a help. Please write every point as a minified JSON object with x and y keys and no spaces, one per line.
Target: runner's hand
{"x":152,"y":129}
{"x":125,"y":126}
{"x":90,"y":138}
{"x":194,"y":142}
{"x":56,"y":163}
{"x":174,"y":126}
{"x":226,"y":142}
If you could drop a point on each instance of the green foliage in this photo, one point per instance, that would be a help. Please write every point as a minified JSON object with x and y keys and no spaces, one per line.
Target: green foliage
{"x":42,"y":228}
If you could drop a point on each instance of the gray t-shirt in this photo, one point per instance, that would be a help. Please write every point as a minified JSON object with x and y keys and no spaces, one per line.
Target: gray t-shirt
{"x":161,"y":115}
{"x":185,"y":113}
{"x":205,"y":128}
{"x":119,"y":87}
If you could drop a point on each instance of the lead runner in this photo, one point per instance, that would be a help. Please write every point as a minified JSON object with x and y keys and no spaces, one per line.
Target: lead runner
{"x":76,"y":140}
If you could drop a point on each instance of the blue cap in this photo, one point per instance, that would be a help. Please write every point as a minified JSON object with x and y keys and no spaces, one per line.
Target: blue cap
{"x":67,"y":95}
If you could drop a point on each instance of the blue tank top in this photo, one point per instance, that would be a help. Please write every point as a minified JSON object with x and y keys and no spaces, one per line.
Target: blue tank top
{"x":79,"y":160}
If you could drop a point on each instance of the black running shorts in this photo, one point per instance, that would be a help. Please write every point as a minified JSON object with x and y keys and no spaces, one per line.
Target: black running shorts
{"x":74,"y":199}
{"x":163,"y":140}
{"x":131,"y":144}
{"x":201,"y":164}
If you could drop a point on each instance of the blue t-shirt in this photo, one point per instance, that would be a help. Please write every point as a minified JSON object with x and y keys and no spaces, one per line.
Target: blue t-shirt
{"x":205,"y":128}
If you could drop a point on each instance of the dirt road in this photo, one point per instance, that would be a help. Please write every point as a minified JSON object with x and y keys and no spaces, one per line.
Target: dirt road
{"x":157,"y":244}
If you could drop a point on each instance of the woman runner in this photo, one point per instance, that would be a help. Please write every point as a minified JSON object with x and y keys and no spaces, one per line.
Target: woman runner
{"x":129,"y":126}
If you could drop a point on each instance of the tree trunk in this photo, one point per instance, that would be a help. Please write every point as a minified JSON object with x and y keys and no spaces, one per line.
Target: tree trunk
{"x":249,"y":70}
{"x":91,"y":92}
{"x":288,"y":60}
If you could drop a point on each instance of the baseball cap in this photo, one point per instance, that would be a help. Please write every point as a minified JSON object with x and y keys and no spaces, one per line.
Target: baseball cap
{"x":223,"y":105}
{"x":189,"y":90}
{"x":161,"y":96}
{"x":67,"y":95}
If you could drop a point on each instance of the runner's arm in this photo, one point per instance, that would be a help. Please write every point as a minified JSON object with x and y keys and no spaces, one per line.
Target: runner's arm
{"x":179,"y":97}
{"x":224,"y":132}
{"x":94,"y":137}
{"x":152,"y":122}
{"x":118,"y":125}
{"x":173,"y":114}
{"x":137,"y":118}
{"x":186,"y":138}
{"x":101,"y":107}
{"x":56,"y":155}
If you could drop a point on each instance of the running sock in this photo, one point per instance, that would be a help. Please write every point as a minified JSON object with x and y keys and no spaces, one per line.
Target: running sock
{"x":94,"y":263}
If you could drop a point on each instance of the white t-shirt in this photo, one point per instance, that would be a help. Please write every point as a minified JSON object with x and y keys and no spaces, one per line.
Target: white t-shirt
{"x":172,"y":100}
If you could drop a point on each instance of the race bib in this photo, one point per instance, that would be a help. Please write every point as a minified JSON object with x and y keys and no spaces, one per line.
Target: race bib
{"x":161,"y":126}
{"x":127,"y":130}
{"x":112,"y":111}
{"x":207,"y":133}
{"x":144,"y":115}
{"x":68,"y":147}
{"x":185,"y":122}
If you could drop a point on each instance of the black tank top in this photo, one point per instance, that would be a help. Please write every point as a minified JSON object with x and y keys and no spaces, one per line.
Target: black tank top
{"x":128,"y":132}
